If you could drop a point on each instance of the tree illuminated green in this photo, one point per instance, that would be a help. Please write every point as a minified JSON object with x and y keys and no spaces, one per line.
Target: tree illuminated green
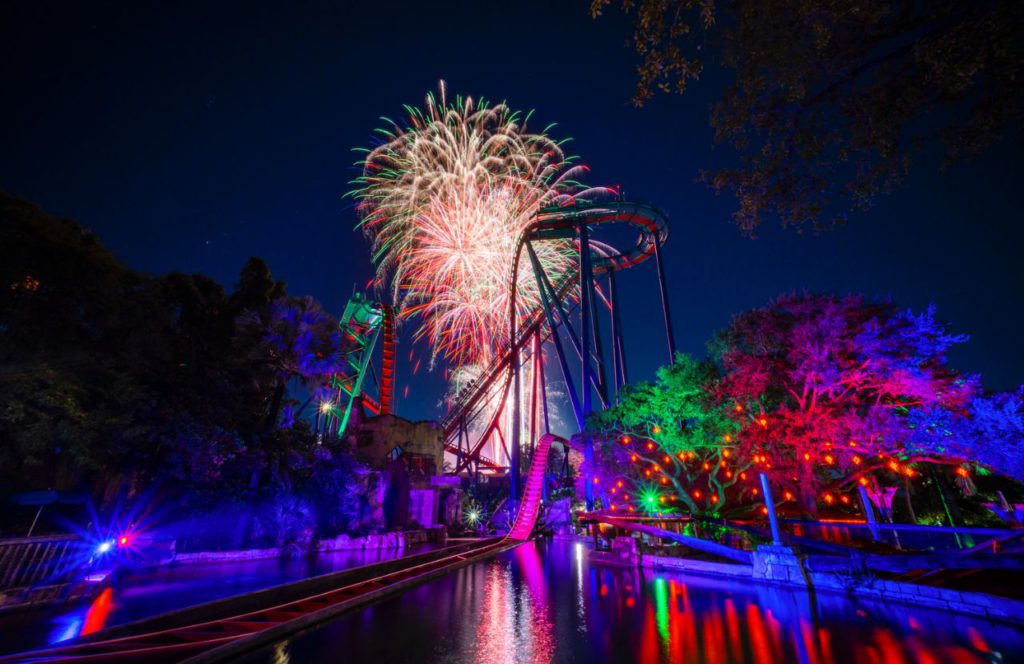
{"x":676,"y":429}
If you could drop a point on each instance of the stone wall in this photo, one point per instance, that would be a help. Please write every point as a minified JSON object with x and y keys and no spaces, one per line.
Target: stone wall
{"x":395,"y":540}
{"x":780,"y":565}
{"x":375,"y":438}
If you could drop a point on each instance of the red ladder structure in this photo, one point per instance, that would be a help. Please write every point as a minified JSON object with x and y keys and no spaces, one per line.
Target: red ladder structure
{"x":526,"y":518}
{"x":387,"y":368}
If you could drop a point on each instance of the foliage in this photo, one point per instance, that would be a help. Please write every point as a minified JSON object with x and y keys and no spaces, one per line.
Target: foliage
{"x":830,"y":101}
{"x":823,"y":384}
{"x":673,"y":428}
{"x":110,"y":376}
{"x":818,"y":392}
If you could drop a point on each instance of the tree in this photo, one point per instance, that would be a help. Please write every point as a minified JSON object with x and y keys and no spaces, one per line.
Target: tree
{"x":831,"y":101}
{"x":112,"y":377}
{"x":988,"y":432}
{"x":824,"y":386}
{"x":670,"y":434}
{"x":816,"y":391}
{"x":294,"y":339}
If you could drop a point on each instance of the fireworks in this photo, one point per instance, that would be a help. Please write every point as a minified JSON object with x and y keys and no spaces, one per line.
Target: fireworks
{"x":445,"y":199}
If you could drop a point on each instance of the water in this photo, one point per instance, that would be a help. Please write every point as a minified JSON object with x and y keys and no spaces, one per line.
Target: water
{"x":144,"y":593}
{"x":543,"y":602}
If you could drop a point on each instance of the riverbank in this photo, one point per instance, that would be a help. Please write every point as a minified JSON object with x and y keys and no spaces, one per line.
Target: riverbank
{"x":776,"y":565}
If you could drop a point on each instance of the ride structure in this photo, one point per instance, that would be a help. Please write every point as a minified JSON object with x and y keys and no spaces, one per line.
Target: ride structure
{"x":361,"y":324}
{"x":573,"y":306}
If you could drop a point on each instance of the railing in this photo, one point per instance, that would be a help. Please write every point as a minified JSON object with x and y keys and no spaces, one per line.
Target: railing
{"x":28,"y":560}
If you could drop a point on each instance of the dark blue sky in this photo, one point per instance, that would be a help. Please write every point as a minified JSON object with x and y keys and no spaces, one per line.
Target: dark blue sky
{"x":189,"y":137}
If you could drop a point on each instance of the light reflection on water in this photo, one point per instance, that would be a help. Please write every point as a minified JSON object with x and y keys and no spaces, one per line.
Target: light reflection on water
{"x":544,"y":602}
{"x":142,"y":593}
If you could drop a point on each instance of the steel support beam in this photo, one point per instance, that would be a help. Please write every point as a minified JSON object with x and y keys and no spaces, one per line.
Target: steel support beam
{"x":669,"y":334}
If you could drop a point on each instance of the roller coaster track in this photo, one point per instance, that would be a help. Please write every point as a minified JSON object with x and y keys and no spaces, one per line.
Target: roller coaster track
{"x":224,"y":638}
{"x":529,"y":510}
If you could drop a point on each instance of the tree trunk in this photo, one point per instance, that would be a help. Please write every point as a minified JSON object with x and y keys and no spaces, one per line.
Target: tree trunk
{"x":946,"y":495}
{"x":808,"y":498}
{"x":910,"y":504}
{"x":275,"y":405}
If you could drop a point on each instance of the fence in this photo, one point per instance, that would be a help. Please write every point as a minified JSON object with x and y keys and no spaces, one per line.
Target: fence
{"x":28,"y":560}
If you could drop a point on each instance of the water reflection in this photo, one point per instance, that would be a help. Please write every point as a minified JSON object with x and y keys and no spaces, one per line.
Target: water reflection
{"x":546,"y":602}
{"x":142,"y":593}
{"x":515,"y":625}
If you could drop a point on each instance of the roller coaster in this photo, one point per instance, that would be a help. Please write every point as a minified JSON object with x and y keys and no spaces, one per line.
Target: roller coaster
{"x":484,"y":423}
{"x":478,"y":416}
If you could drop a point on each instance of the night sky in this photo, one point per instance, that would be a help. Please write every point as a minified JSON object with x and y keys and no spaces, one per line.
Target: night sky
{"x":192,"y":136}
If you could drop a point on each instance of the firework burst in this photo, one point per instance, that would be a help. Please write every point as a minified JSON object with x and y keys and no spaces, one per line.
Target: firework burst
{"x":445,"y":199}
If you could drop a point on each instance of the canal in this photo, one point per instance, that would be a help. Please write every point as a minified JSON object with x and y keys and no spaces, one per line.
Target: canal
{"x":138,"y":594}
{"x":543,"y":602}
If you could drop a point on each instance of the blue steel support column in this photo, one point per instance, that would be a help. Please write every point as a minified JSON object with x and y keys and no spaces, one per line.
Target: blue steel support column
{"x":586,"y":292}
{"x":595,"y":323}
{"x":770,"y":504}
{"x":544,"y":402}
{"x":664,"y":301}
{"x":869,"y":512}
{"x":565,"y":322}
{"x":574,"y":398}
{"x":618,"y":346}
{"x":544,"y":391}
{"x":513,"y":462}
